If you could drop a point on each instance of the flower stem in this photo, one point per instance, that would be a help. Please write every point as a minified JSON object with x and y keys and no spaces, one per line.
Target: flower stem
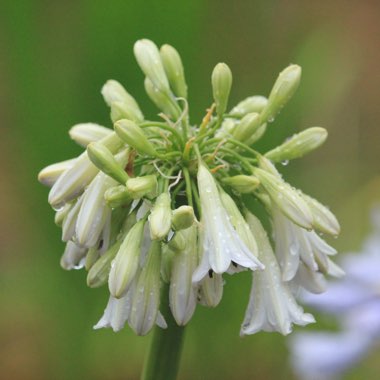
{"x":163,"y":359}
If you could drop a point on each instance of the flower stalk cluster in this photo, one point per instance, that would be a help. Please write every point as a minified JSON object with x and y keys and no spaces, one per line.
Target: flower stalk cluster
{"x":150,"y":203}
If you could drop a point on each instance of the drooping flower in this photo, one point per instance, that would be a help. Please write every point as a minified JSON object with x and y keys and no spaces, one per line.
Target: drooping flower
{"x":221,"y":243}
{"x":272,"y":306}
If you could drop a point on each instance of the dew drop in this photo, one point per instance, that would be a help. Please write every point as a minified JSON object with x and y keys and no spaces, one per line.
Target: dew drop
{"x":284,"y":162}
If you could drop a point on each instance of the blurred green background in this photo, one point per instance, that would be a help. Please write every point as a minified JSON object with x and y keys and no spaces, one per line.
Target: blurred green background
{"x":56,"y":55}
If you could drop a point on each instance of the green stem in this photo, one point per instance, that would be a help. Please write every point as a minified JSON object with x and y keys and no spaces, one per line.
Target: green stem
{"x":165,"y":351}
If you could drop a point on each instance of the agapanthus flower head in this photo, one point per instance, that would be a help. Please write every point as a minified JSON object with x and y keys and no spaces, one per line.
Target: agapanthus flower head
{"x":161,"y":206}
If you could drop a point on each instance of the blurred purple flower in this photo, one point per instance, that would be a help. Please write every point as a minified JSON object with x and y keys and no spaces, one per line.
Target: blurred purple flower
{"x":355,"y":300}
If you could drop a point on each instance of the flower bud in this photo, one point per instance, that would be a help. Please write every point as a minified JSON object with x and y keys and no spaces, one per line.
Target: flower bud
{"x":167,"y":261}
{"x":73,"y":181}
{"x":323,"y":219}
{"x":248,"y":125}
{"x":73,"y":257}
{"x":283,"y":89}
{"x":146,"y":295}
{"x":257,"y":135}
{"x":104,"y":160}
{"x":178,"y":242}
{"x":123,"y":105}
{"x":221,"y":80}
{"x":85,"y":133}
{"x":174,"y":70}
{"x":149,"y":59}
{"x":183,"y":218}
{"x":70,"y":221}
{"x":142,"y":186}
{"x":61,"y":214}
{"x":249,"y":105}
{"x":162,"y":101}
{"x":98,"y":274}
{"x":243,"y":184}
{"x":49,"y":175}
{"x":117,"y":196}
{"x":211,"y":290}
{"x":286,"y":198}
{"x":183,"y":293}
{"x":134,"y":136}
{"x":125,"y":265}
{"x":160,"y":217}
{"x":298,"y":145}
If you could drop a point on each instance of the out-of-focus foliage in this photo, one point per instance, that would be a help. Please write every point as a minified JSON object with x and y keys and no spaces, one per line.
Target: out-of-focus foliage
{"x":55,"y":56}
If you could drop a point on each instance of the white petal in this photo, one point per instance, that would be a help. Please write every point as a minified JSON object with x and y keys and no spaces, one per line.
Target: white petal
{"x":116,"y":313}
{"x":272,"y":306}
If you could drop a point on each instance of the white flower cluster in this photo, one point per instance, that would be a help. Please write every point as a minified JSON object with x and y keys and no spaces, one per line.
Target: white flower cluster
{"x":155,"y":205}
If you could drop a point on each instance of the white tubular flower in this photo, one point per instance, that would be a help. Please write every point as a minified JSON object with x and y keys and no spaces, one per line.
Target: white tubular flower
{"x":211,"y":290}
{"x":272,"y":306}
{"x":72,"y":182}
{"x":123,"y":105}
{"x":221,"y":243}
{"x":183,"y":293}
{"x":49,"y":175}
{"x":73,"y":257}
{"x":294,"y":244}
{"x":70,"y":221}
{"x":116,"y":313}
{"x":149,"y":60}
{"x":85,"y":133}
{"x":125,"y":265}
{"x":286,"y":198}
{"x":160,"y":219}
{"x":146,"y":294}
{"x":93,"y":212}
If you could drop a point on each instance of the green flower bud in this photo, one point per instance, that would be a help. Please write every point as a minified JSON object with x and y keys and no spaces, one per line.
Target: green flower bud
{"x":123,"y":105}
{"x":323,"y":219}
{"x":49,"y":175}
{"x":146,"y":295}
{"x":167,"y":262}
{"x":134,"y":136}
{"x":98,"y":274}
{"x":103,"y":159}
{"x":174,"y":70}
{"x":249,"y":105}
{"x":91,"y":257}
{"x":283,"y":89}
{"x":161,"y":217}
{"x":142,"y":186}
{"x":257,"y":135}
{"x":243,"y":184}
{"x":178,"y":242}
{"x":125,"y":265}
{"x":162,"y":101}
{"x":221,"y":80}
{"x":288,"y":200}
{"x":248,"y":125}
{"x":85,"y":133}
{"x":298,"y":145}
{"x":183,"y":218}
{"x":117,"y":196}
{"x":149,"y":59}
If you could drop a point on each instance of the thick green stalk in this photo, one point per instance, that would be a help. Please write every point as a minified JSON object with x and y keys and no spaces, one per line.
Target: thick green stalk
{"x":163,"y":359}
